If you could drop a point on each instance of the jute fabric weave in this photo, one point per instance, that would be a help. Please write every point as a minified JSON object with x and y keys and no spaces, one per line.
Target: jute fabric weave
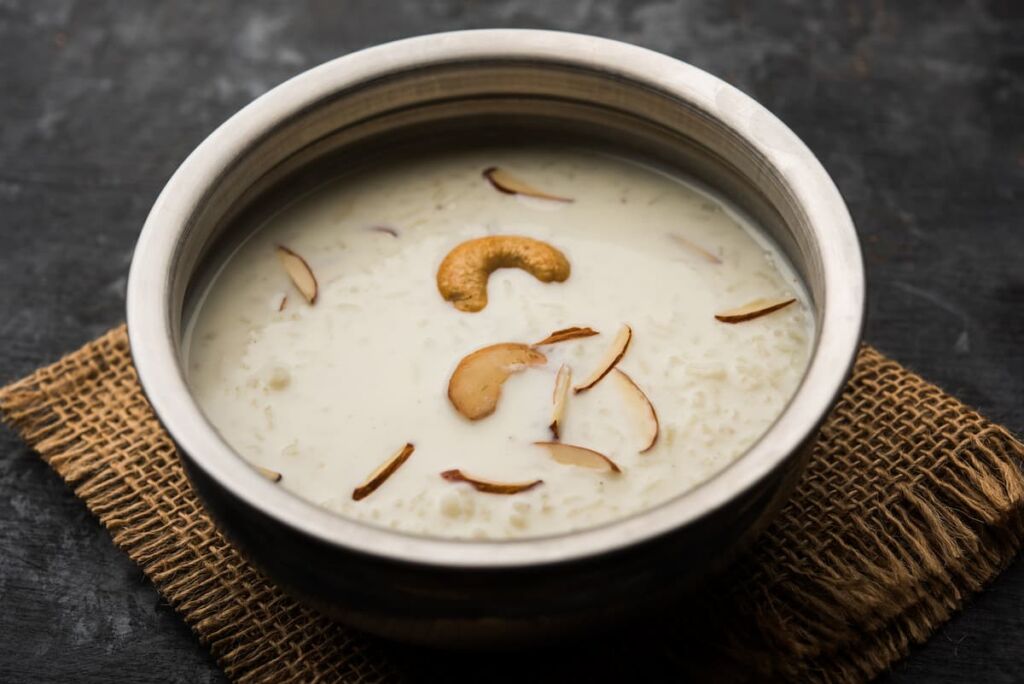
{"x":911,"y":503}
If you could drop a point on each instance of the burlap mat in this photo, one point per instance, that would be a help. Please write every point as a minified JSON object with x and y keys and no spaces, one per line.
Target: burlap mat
{"x":911,"y":503}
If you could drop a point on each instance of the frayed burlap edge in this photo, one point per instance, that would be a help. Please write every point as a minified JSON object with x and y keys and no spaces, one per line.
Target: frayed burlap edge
{"x":911,"y":503}
{"x":86,"y":417}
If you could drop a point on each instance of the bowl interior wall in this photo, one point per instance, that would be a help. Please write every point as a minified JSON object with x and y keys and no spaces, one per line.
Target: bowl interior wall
{"x":486,"y":102}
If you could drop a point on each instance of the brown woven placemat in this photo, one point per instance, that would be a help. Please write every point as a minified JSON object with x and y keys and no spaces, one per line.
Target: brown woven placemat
{"x":911,"y":502}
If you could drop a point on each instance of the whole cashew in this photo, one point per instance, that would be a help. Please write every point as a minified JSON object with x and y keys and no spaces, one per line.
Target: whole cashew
{"x":462,"y":276}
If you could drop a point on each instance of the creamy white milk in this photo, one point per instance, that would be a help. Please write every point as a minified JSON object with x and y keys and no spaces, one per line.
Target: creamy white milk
{"x":325,"y":393}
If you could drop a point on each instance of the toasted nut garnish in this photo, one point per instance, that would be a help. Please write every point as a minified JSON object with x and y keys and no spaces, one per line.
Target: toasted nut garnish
{"x":475,"y":386}
{"x":570,"y":454}
{"x":271,"y":475}
{"x":566,"y":334}
{"x":559,"y":398}
{"x":505,"y":182}
{"x":300,"y":273}
{"x":695,"y":248}
{"x":385,"y":229}
{"x":489,"y":486}
{"x":382,"y":473}
{"x":614,"y":354}
{"x":752,"y":310}
{"x":642,"y":407}
{"x":462,"y":276}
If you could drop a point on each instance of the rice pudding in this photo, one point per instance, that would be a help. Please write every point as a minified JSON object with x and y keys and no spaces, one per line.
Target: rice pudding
{"x":498,"y":342}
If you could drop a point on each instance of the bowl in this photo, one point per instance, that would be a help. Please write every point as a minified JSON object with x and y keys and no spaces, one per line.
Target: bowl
{"x":486,"y":593}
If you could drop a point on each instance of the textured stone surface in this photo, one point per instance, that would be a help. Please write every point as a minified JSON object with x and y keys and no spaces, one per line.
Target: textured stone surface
{"x":916,"y":108}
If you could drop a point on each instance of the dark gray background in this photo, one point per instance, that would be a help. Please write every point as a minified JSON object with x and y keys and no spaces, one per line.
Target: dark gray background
{"x":915,"y":108}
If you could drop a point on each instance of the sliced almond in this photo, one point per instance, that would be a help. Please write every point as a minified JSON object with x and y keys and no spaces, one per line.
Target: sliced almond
{"x":489,"y":486}
{"x":559,"y":398}
{"x":382,"y":473}
{"x":640,"y":405}
{"x":284,"y":303}
{"x":271,"y":475}
{"x":505,"y":182}
{"x":754,"y":309}
{"x":475,"y":386}
{"x":695,"y":248}
{"x":385,"y":229}
{"x":300,"y":273}
{"x":614,"y":354}
{"x":570,"y":454}
{"x":565,"y":334}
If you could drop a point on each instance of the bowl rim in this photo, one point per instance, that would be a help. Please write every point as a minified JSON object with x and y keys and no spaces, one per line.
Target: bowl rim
{"x":154,"y":348}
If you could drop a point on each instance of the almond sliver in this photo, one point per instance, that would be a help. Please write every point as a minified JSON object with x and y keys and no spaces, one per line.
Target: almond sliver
{"x":299,"y":272}
{"x":505,"y":182}
{"x":614,"y":354}
{"x":382,"y":473}
{"x":489,"y":486}
{"x":570,"y":454}
{"x":754,"y":309}
{"x":566,"y":334}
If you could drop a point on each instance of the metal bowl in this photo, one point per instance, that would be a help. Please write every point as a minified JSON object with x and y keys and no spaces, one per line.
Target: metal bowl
{"x":452,"y":592}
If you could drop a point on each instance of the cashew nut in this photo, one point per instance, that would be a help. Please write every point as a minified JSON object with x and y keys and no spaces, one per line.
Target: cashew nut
{"x":475,"y":386}
{"x":462,"y":276}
